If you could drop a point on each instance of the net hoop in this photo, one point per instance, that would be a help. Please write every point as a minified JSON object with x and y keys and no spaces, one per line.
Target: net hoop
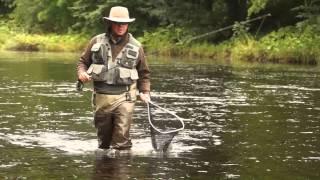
{"x":167,"y":111}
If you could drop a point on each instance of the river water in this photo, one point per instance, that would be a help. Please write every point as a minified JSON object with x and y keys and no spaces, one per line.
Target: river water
{"x":243,"y":121}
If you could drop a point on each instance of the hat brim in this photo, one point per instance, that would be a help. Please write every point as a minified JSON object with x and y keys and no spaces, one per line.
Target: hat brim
{"x":121,"y":20}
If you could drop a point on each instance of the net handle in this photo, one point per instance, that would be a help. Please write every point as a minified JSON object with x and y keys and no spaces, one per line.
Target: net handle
{"x":166,"y":110}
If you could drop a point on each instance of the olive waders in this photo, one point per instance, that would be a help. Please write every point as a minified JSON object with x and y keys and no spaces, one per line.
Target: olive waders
{"x":113,"y":117}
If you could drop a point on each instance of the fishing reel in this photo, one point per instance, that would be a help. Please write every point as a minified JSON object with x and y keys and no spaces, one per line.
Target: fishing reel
{"x":79,"y":85}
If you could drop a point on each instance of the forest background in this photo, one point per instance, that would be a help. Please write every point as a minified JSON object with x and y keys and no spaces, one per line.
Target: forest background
{"x":291,"y":34}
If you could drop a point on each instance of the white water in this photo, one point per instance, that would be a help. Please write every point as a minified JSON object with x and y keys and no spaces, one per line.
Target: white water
{"x":72,"y":144}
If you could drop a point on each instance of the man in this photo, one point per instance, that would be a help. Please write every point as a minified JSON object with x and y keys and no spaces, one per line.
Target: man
{"x":116,"y":63}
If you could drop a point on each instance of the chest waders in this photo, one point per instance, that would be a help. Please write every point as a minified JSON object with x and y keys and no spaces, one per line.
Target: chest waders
{"x":114,"y":91}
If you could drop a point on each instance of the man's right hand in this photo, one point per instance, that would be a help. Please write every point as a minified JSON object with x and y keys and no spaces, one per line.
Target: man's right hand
{"x":84,"y":77}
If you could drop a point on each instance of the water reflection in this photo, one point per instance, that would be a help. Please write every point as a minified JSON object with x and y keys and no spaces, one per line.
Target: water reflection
{"x":241,"y":123}
{"x":112,"y":168}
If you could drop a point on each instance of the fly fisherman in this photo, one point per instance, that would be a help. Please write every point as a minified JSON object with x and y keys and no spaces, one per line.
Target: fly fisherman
{"x":116,"y":63}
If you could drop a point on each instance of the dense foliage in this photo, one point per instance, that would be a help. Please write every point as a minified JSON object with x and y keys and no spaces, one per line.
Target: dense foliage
{"x":291,"y":33}
{"x":61,"y":16}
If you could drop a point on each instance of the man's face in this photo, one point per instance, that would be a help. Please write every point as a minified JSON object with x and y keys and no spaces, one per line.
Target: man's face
{"x":119,"y":28}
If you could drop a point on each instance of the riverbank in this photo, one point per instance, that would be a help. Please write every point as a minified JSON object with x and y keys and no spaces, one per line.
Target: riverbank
{"x":18,"y":41}
{"x":287,"y":45}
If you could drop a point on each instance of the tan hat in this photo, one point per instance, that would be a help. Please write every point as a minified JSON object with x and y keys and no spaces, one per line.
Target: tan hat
{"x":119,"y":14}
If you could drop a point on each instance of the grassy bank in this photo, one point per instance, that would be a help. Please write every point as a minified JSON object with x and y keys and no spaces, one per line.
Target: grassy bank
{"x":18,"y":41}
{"x":287,"y":45}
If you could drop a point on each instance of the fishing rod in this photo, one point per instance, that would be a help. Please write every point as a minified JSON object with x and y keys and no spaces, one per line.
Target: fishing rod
{"x":224,"y":28}
{"x":187,"y":41}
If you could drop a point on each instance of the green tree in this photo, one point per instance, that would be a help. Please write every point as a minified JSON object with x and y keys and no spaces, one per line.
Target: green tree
{"x":43,"y":15}
{"x":88,"y":14}
{"x":6,"y":7}
{"x":255,"y":6}
{"x":199,"y":16}
{"x":194,"y":16}
{"x":309,"y":12}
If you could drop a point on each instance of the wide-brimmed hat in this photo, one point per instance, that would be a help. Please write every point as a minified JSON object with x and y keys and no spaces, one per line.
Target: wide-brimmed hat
{"x":119,"y":14}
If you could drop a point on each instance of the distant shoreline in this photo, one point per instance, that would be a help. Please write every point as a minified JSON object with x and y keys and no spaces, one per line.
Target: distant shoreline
{"x":283,"y":46}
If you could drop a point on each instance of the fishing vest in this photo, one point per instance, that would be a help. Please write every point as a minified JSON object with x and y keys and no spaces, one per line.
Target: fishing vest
{"x":115,"y":75}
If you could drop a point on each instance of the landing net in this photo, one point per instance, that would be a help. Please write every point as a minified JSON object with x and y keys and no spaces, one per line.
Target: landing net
{"x":164,"y":125}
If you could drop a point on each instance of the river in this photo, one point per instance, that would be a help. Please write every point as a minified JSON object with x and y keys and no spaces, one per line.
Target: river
{"x":242,"y":121}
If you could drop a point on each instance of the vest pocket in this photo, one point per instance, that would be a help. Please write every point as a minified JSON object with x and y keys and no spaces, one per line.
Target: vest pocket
{"x":129,"y":59}
{"x":99,"y":53}
{"x":127,"y":76}
{"x":127,"y":63}
{"x":98,"y":72}
{"x":117,"y":76}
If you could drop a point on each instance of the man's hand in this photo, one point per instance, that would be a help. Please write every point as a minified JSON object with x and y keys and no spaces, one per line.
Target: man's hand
{"x":144,"y":97}
{"x":84,"y":77}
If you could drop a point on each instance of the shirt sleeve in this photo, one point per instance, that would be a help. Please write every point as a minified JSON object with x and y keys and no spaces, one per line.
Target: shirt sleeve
{"x":85,"y":59}
{"x":143,"y":72}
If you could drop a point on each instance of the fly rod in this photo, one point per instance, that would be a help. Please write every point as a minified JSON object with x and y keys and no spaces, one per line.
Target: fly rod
{"x":224,"y":28}
{"x":186,"y":41}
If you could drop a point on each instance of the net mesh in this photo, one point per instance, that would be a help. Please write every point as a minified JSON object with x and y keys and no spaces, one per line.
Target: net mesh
{"x":164,"y":125}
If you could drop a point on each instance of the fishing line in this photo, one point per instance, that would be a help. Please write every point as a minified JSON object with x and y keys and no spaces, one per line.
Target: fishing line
{"x":225,"y":28}
{"x":189,"y":40}
{"x":260,"y":25}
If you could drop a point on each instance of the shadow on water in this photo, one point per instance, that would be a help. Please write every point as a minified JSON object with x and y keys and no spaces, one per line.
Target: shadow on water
{"x":248,"y":121}
{"x":112,"y":168}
